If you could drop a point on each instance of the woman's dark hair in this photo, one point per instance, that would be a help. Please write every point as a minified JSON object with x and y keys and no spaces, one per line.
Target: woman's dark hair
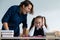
{"x":26,"y":3}
{"x":32,"y":23}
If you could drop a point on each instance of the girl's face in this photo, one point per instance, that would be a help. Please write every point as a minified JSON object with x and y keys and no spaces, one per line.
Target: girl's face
{"x":38,"y":22}
{"x":27,"y":8}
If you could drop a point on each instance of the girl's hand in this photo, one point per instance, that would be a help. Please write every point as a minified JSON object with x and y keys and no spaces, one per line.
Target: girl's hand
{"x":43,"y":21}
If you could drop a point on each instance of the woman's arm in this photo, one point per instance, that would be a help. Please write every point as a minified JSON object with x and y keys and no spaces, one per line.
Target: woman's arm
{"x":25,"y":31}
{"x":6,"y":18}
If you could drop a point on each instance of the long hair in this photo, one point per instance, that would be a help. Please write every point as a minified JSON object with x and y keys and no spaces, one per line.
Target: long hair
{"x":44,"y":19}
{"x":26,"y":3}
{"x":32,"y":23}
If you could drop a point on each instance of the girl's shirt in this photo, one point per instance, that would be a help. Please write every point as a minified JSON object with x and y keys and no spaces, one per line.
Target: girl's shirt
{"x":38,"y":31}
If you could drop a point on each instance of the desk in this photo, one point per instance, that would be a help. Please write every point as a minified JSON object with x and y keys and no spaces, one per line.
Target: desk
{"x":23,"y":38}
{"x":30,"y":38}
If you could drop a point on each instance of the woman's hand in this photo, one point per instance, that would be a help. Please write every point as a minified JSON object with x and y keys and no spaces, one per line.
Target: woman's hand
{"x":25,"y":33}
{"x":5,"y":24}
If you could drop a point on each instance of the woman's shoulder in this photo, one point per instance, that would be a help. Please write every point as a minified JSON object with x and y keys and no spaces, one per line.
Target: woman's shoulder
{"x":14,"y":6}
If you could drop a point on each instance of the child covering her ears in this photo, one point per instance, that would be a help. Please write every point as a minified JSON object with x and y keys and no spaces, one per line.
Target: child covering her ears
{"x":38,"y":26}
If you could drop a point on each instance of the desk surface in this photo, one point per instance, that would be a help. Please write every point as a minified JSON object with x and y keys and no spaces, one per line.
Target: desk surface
{"x":30,"y":38}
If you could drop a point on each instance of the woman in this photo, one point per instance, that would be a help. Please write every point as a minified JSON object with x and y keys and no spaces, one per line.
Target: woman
{"x":17,"y":15}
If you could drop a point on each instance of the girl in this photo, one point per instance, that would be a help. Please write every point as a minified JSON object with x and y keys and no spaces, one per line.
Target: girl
{"x":37,"y":28}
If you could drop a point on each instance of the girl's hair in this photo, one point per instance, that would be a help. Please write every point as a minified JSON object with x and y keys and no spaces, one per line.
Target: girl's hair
{"x":45,"y":22}
{"x":32,"y":23}
{"x":26,"y":3}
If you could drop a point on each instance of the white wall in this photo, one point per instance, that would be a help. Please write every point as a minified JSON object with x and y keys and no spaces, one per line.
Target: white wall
{"x":48,"y":8}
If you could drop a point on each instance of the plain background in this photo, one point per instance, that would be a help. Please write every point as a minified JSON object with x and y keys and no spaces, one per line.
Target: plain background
{"x":48,"y":8}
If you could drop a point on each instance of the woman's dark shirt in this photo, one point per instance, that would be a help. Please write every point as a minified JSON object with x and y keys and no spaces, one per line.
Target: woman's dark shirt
{"x":13,"y":17}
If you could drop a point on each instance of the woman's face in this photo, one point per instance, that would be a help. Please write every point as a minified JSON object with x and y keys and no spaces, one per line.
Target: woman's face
{"x":38,"y":22}
{"x":27,"y":8}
